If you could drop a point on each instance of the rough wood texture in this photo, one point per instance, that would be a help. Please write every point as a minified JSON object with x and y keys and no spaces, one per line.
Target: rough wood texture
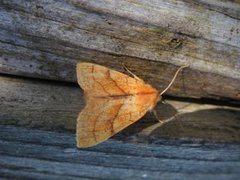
{"x":39,"y":104}
{"x":35,"y":154}
{"x":45,"y":39}
{"x":54,"y":105}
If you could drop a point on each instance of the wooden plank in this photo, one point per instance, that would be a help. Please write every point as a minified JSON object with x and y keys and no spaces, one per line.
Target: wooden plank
{"x":117,"y":161}
{"x":55,"y":105}
{"x":36,"y":151}
{"x":93,"y":172}
{"x":39,"y":104}
{"x":12,"y":173}
{"x":229,"y":8}
{"x":11,"y":134}
{"x":46,"y":39}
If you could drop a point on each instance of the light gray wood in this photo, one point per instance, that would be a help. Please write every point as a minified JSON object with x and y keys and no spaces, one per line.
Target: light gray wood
{"x":226,"y":7}
{"x":55,"y":105}
{"x":37,"y":153}
{"x":45,"y":39}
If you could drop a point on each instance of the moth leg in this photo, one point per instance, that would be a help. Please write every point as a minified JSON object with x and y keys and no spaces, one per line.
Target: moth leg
{"x":130,"y":72}
{"x":156,"y":116}
{"x":147,"y":131}
{"x":163,"y":101}
{"x":154,"y":111}
{"x":171,"y":118}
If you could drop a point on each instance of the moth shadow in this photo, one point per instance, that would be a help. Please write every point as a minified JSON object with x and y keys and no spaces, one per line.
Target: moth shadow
{"x":212,"y":124}
{"x":217,"y":125}
{"x":164,"y":111}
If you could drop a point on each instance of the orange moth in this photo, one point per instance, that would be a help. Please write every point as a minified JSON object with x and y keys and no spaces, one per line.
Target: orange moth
{"x":113,"y":102}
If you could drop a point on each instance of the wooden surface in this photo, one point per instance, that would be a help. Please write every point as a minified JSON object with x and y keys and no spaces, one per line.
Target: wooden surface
{"x":55,"y":105}
{"x":46,"y":38}
{"x":42,"y":40}
{"x":36,"y":154}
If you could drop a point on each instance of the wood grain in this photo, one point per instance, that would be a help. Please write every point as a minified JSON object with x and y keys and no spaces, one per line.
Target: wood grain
{"x":39,"y":104}
{"x":45,"y":39}
{"x":27,"y":153}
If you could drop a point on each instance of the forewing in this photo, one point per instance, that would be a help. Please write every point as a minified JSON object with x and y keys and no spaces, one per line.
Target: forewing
{"x":98,"y":80}
{"x":103,"y":117}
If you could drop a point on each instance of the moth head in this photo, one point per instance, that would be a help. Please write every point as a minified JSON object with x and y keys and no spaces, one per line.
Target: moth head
{"x":158,"y":98}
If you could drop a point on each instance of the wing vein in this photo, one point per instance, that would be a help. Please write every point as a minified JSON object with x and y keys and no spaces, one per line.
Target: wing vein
{"x":114,"y":118}
{"x":115,"y":82}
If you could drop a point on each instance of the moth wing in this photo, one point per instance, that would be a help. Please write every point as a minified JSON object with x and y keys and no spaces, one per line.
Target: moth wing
{"x":97,"y":80}
{"x":101,"y":118}
{"x":113,"y":102}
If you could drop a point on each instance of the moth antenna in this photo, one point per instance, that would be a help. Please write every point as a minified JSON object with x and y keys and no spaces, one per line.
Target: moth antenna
{"x":130,"y":72}
{"x":173,"y":79}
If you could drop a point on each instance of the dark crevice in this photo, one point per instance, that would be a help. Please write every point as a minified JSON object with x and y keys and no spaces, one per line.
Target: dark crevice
{"x":221,"y":101}
{"x":41,"y":80}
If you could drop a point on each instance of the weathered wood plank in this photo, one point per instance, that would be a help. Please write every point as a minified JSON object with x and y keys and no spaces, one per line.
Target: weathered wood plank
{"x":79,"y":170}
{"x":54,"y":105}
{"x":175,"y":15}
{"x":55,"y":140}
{"x":116,"y":160}
{"x":39,"y":104}
{"x":45,"y":39}
{"x":35,"y":152}
{"x":19,"y":173}
{"x":229,"y":8}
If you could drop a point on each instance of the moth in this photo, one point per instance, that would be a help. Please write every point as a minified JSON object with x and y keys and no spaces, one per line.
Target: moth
{"x":113,"y":102}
